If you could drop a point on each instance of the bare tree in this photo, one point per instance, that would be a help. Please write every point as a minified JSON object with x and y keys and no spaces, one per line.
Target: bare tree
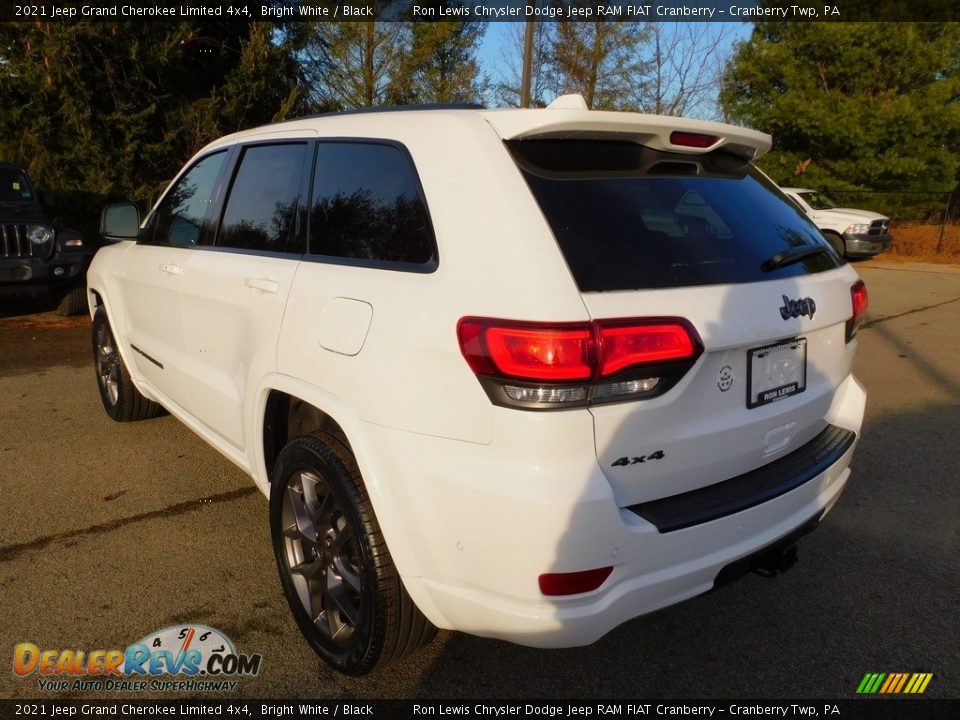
{"x":600,"y":60}
{"x":542,"y":80}
{"x":683,"y":69}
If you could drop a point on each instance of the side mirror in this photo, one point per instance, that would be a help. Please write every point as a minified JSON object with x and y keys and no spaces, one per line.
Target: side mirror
{"x":47,"y":199}
{"x":120,"y":221}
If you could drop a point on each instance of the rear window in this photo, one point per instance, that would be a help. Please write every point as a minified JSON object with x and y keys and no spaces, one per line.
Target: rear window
{"x":628,"y":217}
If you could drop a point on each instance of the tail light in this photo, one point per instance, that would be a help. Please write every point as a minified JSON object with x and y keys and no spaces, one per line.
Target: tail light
{"x":860,"y":301}
{"x":540,"y":366}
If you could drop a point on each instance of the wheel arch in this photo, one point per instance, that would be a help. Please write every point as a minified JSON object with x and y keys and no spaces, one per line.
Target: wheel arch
{"x":99,"y":302}
{"x":287,"y":407}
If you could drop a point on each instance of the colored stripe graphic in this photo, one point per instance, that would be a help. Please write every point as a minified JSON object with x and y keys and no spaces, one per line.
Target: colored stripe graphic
{"x":894,"y":683}
{"x":870,"y":683}
{"x":901,"y":682}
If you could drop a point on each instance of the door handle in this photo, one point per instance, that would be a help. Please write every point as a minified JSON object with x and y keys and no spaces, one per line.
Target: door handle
{"x":171,"y":269}
{"x":262,"y":284}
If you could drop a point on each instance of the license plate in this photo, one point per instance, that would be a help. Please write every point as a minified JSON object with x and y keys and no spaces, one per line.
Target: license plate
{"x":776,"y":372}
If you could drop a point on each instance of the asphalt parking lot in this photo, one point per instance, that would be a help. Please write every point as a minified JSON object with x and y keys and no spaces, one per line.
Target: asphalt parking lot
{"x":109,"y":532}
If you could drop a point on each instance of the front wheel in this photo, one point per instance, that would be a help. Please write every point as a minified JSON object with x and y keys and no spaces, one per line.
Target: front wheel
{"x":73,"y":302}
{"x":121,"y":399}
{"x":837,"y":242}
{"x":337,"y":574}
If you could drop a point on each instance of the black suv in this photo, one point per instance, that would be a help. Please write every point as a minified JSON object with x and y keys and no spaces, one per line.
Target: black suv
{"x":35,"y":254}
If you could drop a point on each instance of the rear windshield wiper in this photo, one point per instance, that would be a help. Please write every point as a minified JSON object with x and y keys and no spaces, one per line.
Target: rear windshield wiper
{"x":789,"y":257}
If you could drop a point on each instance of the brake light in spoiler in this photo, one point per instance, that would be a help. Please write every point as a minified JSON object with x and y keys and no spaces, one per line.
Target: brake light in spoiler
{"x":540,"y":366}
{"x":691,"y":139}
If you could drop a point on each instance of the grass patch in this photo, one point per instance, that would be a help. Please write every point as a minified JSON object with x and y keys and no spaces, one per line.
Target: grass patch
{"x":916,"y":242}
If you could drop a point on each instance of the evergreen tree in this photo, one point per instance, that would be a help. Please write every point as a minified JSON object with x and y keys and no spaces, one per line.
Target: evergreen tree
{"x":350,"y":64}
{"x":113,"y":108}
{"x":852,"y":105}
{"x":441,"y":64}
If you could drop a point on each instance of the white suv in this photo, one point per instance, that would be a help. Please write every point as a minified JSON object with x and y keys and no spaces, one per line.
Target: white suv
{"x":526,"y":374}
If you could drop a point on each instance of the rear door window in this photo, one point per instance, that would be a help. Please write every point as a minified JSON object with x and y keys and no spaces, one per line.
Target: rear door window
{"x":261,"y":210}
{"x":628,"y":217}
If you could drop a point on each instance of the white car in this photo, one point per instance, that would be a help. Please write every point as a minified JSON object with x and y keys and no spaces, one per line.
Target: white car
{"x":525,"y":374}
{"x":852,"y":233}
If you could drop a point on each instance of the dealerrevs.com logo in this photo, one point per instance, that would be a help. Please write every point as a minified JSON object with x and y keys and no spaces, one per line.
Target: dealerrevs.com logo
{"x":200,"y":658}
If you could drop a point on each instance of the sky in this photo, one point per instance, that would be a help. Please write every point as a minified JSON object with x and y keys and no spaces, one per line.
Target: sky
{"x":495,"y":43}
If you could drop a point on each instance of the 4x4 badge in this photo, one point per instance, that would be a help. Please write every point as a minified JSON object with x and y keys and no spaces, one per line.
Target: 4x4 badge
{"x":796,"y":308}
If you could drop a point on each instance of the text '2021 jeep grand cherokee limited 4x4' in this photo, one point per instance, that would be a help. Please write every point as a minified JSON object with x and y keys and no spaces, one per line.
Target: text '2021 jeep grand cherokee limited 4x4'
{"x":526,"y":374}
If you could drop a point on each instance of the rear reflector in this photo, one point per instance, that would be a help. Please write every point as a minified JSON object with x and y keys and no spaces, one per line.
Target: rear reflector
{"x":573,"y":583}
{"x":689,"y":139}
{"x":860,"y":301}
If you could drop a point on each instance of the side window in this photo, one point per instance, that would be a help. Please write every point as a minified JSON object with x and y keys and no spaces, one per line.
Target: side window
{"x":261,"y":208}
{"x":179,"y":219}
{"x":367,"y":205}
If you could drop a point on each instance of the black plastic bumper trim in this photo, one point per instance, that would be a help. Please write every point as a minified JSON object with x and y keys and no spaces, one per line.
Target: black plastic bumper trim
{"x":753,"y":488}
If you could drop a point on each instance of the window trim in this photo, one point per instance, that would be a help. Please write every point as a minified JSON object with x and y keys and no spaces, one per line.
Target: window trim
{"x":427,"y":267}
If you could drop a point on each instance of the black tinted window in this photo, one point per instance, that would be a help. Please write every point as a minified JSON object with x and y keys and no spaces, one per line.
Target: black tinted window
{"x":14,"y":187}
{"x":628,"y":217}
{"x":179,"y":218}
{"x":367,"y":205}
{"x":262,"y":204}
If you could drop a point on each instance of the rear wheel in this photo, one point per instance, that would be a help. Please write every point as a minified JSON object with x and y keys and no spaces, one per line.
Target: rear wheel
{"x":121,"y":399}
{"x":337,"y":574}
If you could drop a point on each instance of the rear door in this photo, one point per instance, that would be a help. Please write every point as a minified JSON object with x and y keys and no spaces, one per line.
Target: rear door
{"x":234,"y":291}
{"x":708,"y":240}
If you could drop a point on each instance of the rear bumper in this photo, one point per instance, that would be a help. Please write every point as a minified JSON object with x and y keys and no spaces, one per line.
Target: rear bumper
{"x":653,"y":571}
{"x":485,"y":528}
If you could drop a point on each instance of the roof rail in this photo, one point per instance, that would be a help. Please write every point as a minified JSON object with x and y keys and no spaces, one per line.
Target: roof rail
{"x":391,"y":108}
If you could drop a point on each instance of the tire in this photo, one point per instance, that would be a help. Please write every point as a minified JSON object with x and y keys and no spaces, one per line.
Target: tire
{"x":335,"y":569}
{"x":74,"y":302}
{"x":837,"y":243}
{"x":121,"y":399}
